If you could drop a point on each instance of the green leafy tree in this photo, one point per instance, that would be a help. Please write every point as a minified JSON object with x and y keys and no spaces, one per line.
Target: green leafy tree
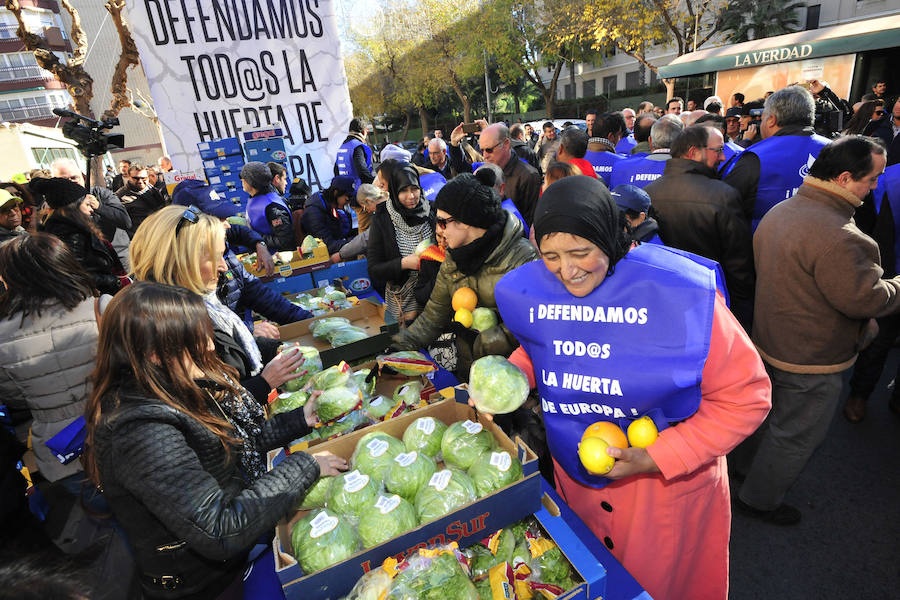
{"x":745,"y":20}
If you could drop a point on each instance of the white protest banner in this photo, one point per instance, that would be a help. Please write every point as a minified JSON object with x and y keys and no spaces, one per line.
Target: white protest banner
{"x":218,"y":68}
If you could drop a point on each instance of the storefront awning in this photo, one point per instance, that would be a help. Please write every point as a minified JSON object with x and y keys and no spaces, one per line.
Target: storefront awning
{"x":859,"y":36}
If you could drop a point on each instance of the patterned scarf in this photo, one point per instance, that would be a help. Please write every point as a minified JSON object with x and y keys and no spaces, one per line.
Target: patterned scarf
{"x":247,"y":417}
{"x":400,"y":298}
{"x":224,"y":319}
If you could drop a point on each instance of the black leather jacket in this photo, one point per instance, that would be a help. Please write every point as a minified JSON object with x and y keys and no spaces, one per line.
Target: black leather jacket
{"x":188,"y":512}
{"x":95,"y":256}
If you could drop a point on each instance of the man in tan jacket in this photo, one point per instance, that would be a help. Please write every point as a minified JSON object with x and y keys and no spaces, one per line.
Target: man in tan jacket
{"x":818,"y":287}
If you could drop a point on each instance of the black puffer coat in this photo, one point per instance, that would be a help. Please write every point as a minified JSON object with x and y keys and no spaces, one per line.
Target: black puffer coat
{"x":96,"y":256}
{"x":187,"y":510}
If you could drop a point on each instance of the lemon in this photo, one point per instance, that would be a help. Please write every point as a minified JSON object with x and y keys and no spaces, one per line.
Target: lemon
{"x":642,"y":432}
{"x":464,"y":316}
{"x":592,"y":452}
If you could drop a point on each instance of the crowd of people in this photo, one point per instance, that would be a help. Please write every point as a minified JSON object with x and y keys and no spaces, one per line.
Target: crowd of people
{"x":757,"y":254}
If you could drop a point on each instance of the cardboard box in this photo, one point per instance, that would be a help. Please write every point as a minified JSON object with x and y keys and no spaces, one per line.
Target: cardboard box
{"x":466,"y":525}
{"x":216,"y":148}
{"x":319,"y":256}
{"x":573,"y":537}
{"x":266,"y":150}
{"x":366,"y":315}
{"x":224,"y":165}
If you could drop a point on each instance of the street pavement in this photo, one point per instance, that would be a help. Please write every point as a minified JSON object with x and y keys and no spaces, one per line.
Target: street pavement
{"x":846,"y":547}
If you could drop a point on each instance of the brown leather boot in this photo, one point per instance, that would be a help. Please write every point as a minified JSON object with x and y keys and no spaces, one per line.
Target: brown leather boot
{"x":855,"y":408}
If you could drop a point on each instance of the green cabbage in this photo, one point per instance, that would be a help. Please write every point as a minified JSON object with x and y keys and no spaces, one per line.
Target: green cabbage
{"x":424,"y":435}
{"x":374,"y":454}
{"x":464,"y":442}
{"x":334,"y":296}
{"x":315,"y":496}
{"x":345,"y":424}
{"x":312,"y":365}
{"x":335,"y":376}
{"x":350,"y":492}
{"x":321,"y":539}
{"x":346,"y":335}
{"x":322,"y":327}
{"x":410,"y":393}
{"x":308,"y":244}
{"x":483,"y":318}
{"x":287,"y":402}
{"x":368,"y":388}
{"x":494,"y":470}
{"x":379,"y":407}
{"x":496,"y":385}
{"x":408,"y":473}
{"x":336,"y":402}
{"x":446,"y":491}
{"x":384,"y":518}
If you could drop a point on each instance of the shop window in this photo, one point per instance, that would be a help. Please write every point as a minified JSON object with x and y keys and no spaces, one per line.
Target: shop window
{"x":589,"y":88}
{"x":812,"y":16}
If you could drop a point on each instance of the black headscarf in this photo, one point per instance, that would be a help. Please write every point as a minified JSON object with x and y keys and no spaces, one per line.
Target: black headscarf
{"x":401,"y":176}
{"x":584,"y":207}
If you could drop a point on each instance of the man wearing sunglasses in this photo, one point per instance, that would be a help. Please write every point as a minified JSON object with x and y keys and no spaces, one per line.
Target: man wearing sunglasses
{"x":139,"y":197}
{"x":888,"y":129}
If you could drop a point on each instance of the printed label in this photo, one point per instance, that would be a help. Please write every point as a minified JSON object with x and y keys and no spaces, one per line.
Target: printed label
{"x":405,"y":459}
{"x":472,"y":427}
{"x":387,"y":503}
{"x":322,"y":524}
{"x":501,"y":460}
{"x":355,"y":481}
{"x":440,"y":480}
{"x":377,"y":401}
{"x":377,"y":447}
{"x":425,"y":425}
{"x":284,"y":395}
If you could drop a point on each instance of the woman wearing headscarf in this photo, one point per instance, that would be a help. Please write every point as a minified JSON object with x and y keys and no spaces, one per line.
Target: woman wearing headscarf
{"x":398,"y":225}
{"x":484,"y":243}
{"x":658,"y":341}
{"x":69,"y":219}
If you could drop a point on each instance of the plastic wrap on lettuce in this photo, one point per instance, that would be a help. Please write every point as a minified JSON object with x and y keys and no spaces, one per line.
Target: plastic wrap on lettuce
{"x":367,"y":387}
{"x":433,"y":575}
{"x":350,"y":492}
{"x":409,"y":472}
{"x":375,"y":452}
{"x":384,"y":518}
{"x":336,"y":402}
{"x":346,"y":335}
{"x":424,"y":435}
{"x":407,"y":362}
{"x":322,"y":327}
{"x":315,"y":496}
{"x":321,"y":539}
{"x":287,"y":402}
{"x":312,"y":364}
{"x":349,"y":422}
{"x":464,"y":442}
{"x":494,"y":470}
{"x":447,"y":490}
{"x":496,"y":385}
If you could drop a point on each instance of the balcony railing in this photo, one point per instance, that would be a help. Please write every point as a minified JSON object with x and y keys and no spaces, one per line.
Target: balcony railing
{"x":27,"y":113}
{"x":29,"y":73}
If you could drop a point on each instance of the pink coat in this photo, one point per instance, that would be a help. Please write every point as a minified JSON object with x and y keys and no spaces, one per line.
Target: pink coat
{"x":671,"y":529}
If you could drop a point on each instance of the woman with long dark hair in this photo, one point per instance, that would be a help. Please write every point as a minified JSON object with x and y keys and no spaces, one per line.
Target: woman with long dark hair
{"x":398,"y":225}
{"x":69,"y":219}
{"x":48,"y":339}
{"x":866,"y":112}
{"x":178,"y":446}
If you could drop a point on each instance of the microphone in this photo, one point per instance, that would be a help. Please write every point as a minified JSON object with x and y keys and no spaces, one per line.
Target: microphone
{"x":62,"y":112}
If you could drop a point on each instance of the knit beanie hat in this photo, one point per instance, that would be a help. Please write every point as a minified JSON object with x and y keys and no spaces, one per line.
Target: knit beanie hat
{"x":469,"y":201}
{"x":258,"y":175}
{"x":58,"y":192}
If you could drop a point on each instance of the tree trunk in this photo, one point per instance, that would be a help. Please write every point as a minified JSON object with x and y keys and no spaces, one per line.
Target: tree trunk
{"x":518,"y":105}
{"x":549,"y":100}
{"x":670,"y":87}
{"x":406,"y":125}
{"x":423,"y":119}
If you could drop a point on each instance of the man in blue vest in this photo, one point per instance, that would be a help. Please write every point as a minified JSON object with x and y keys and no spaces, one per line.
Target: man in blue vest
{"x":610,"y":128}
{"x":267,"y":212}
{"x":642,"y":171}
{"x":642,"y":125}
{"x":772,"y":170}
{"x":354,"y":158}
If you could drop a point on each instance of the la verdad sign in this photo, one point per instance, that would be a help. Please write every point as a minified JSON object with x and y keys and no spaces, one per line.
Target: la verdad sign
{"x":763,"y":57}
{"x":217,"y":68}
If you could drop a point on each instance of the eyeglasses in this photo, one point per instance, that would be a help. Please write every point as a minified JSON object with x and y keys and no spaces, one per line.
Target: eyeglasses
{"x":491,"y":149}
{"x":880,"y":113}
{"x":190,"y":215}
{"x":442,"y":223}
{"x":719,"y":150}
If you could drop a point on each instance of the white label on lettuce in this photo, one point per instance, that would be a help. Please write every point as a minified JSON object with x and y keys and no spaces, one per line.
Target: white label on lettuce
{"x":386,"y":504}
{"x":377,"y":447}
{"x":501,"y":460}
{"x":322,"y":524}
{"x":440,"y":480}
{"x":425,"y":425}
{"x":402,"y":390}
{"x":377,"y":401}
{"x":406,"y":459}
{"x":472,"y":427}
{"x":355,"y":481}
{"x":285,"y":395}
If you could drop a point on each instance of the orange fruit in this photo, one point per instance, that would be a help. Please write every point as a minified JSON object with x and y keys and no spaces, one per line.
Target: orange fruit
{"x":592,"y":452}
{"x":465,"y":298}
{"x":642,"y":432}
{"x":610,"y":432}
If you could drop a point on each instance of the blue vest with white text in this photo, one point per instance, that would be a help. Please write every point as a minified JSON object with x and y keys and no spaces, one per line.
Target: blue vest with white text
{"x":888,"y":190}
{"x":431,"y":184}
{"x":634,"y":346}
{"x":256,"y":211}
{"x":637,"y":171}
{"x":344,"y":161}
{"x":603,"y":163}
{"x":784,"y":160}
{"x":510,"y":207}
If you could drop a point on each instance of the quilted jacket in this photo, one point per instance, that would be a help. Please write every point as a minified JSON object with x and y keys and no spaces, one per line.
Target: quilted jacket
{"x":187,"y":509}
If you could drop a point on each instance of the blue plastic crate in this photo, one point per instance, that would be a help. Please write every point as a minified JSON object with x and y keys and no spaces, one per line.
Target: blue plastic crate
{"x":216,"y":148}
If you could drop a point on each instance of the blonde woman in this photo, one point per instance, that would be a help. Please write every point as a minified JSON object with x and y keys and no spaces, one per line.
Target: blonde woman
{"x":184,"y":247}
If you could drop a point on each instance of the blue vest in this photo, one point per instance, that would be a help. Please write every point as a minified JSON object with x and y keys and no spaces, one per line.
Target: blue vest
{"x":511,"y":208}
{"x":603,"y":163}
{"x":626,"y":144}
{"x":431,"y":184}
{"x":639,"y":172}
{"x":784,"y":160}
{"x":888,"y":190}
{"x":256,"y":211}
{"x":634,"y":346}
{"x":344,"y":161}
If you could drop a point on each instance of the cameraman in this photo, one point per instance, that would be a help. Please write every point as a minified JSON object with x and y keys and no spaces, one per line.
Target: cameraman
{"x":750,"y":122}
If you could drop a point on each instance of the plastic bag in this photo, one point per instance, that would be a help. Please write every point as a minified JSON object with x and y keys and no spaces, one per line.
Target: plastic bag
{"x":346,"y":335}
{"x":407,"y":362}
{"x":322,"y":327}
{"x":287,"y":402}
{"x":312,"y":364}
{"x":437,"y":574}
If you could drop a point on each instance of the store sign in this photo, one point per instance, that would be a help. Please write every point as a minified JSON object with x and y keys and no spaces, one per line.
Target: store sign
{"x":762,"y":57}
{"x":218,"y":69}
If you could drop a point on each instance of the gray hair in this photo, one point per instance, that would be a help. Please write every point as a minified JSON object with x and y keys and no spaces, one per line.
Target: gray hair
{"x":664,"y":131}
{"x":502,"y":132}
{"x":440,"y":142}
{"x":792,"y":105}
{"x":367,"y":191}
{"x":497,"y":171}
{"x":64,"y":161}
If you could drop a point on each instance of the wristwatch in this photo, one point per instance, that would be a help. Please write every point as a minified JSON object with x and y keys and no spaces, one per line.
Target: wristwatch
{"x":262,"y":243}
